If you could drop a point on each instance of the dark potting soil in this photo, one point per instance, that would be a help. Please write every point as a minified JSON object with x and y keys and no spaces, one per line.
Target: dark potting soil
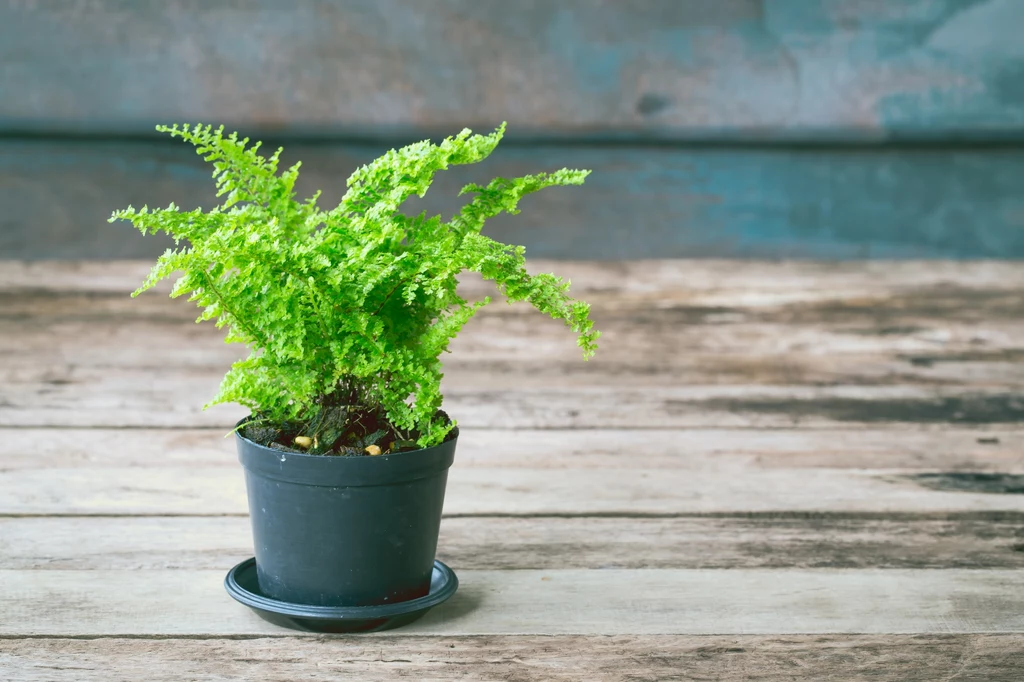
{"x":338,"y":431}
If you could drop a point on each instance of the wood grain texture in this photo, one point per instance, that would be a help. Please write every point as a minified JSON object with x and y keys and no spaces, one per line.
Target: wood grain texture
{"x":786,"y":540}
{"x":506,"y":491}
{"x":808,"y":658}
{"x":977,"y":449}
{"x":640,"y":202}
{"x":194,"y":472}
{"x":939,"y":336}
{"x":891,"y":513}
{"x":114,"y":399}
{"x":765,"y":69}
{"x":687,"y":344}
{"x":585,"y":602}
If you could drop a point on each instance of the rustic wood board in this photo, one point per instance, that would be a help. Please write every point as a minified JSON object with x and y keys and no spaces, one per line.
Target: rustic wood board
{"x":564,"y":601}
{"x":837,"y":341}
{"x":783,"y":540}
{"x":940,"y":448}
{"x":686,"y":345}
{"x":841,"y":69}
{"x":640,"y":201}
{"x":516,"y":491}
{"x":799,"y":658}
{"x":114,"y":399}
{"x":870,"y":487}
{"x":974,"y":311}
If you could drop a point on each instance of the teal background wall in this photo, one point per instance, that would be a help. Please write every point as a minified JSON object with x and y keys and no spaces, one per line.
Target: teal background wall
{"x":737,"y":128}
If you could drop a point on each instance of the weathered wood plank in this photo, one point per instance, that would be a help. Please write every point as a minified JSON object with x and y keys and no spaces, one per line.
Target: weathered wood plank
{"x":585,"y":602}
{"x":979,"y":449}
{"x":680,"y":293}
{"x":519,"y":491}
{"x":905,"y":338}
{"x":941,"y":541}
{"x":922,"y":347}
{"x":934,"y":333}
{"x":808,"y":658}
{"x":640,"y":202}
{"x":532,"y":354}
{"x":114,"y":398}
{"x":96,"y":471}
{"x":470,"y":367}
{"x":940,"y":328}
{"x":651,"y":69}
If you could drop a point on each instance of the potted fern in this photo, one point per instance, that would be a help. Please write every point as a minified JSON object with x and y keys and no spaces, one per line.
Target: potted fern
{"x":346,"y":313}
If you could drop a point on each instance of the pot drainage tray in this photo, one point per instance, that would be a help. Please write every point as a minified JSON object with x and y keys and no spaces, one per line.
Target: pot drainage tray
{"x":242,"y":585}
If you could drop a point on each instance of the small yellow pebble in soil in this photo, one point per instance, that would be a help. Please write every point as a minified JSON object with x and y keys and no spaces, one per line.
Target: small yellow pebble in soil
{"x":373,"y":449}
{"x":303,"y":441}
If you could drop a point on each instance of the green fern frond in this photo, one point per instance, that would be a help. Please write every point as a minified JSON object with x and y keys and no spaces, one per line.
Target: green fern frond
{"x":357,"y":302}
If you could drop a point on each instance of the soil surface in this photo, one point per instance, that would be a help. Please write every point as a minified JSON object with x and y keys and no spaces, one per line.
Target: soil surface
{"x":340,"y":431}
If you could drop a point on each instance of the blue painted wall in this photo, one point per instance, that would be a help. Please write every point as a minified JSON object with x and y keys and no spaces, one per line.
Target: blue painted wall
{"x":832,"y":128}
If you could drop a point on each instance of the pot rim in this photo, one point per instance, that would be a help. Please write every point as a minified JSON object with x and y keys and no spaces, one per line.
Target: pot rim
{"x":333,"y":471}
{"x":295,"y":453}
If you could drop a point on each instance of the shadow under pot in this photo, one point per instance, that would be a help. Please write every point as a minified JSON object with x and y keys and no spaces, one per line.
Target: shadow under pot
{"x":345,"y":531}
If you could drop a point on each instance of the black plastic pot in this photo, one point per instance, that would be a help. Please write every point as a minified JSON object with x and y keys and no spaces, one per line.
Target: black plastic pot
{"x":345,"y":531}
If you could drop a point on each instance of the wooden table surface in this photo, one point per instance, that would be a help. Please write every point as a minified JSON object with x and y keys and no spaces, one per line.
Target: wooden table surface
{"x":771,"y":471}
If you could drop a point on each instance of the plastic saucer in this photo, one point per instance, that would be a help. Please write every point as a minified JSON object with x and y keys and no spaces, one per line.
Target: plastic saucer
{"x":242,"y":585}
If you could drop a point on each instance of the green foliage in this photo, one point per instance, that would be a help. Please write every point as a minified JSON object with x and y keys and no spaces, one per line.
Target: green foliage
{"x":351,"y":306}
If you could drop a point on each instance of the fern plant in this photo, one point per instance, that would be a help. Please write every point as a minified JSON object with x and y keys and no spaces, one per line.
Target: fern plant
{"x":346,"y":311}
